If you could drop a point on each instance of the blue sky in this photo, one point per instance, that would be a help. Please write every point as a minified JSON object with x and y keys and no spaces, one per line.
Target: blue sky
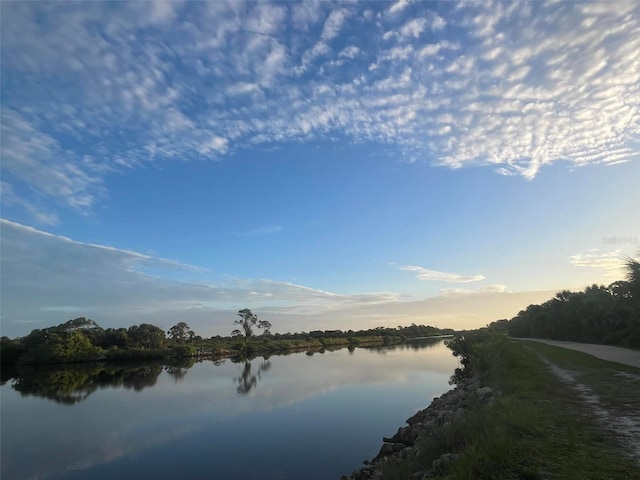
{"x":328,"y":165}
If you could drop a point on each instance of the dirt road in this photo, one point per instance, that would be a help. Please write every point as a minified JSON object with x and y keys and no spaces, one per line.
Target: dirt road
{"x":610,"y":395}
{"x":625,"y":356}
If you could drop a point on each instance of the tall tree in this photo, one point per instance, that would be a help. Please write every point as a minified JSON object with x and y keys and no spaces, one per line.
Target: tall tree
{"x":248,"y":321}
{"x":180,"y":332}
{"x":633,"y":279}
{"x":146,"y":336}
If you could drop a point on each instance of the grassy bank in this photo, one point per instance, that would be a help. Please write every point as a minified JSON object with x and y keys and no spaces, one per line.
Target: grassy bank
{"x":538,"y":428}
{"x":72,"y":351}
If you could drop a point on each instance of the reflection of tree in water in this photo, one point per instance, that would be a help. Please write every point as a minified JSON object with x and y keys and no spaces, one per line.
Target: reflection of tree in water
{"x":179,"y":368}
{"x":74,"y":383}
{"x":415,"y":344}
{"x":178,"y":373}
{"x":247,"y":380}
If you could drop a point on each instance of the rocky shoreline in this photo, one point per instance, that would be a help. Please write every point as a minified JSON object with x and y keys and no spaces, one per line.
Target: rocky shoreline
{"x":408,"y":441}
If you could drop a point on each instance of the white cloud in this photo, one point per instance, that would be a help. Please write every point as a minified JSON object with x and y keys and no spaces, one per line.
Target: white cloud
{"x":526,"y":85}
{"x":611,"y":262}
{"x":398,"y":53}
{"x":436,"y":276}
{"x":398,"y":6}
{"x":429,"y":50}
{"x":349,"y":52}
{"x":333,"y":24}
{"x":44,"y":276}
{"x":46,"y":279}
{"x":38,"y":160}
{"x":496,"y":287}
{"x":242,"y":88}
{"x":438,"y":23}
{"x":265,"y":18}
{"x":305,"y":14}
{"x":37,"y":212}
{"x":458,"y":292}
{"x":455,"y":311}
{"x":213,"y":144}
{"x":163,"y":11}
{"x":413,"y":28}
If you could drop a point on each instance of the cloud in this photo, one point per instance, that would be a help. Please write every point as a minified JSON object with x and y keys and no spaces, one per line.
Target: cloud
{"x":306,"y":14}
{"x":433,"y":275}
{"x":265,"y":18}
{"x":40,"y":214}
{"x":333,"y":24}
{"x":349,"y":52}
{"x":47,"y":278}
{"x":611,"y":262}
{"x":470,"y":310}
{"x":413,"y":28}
{"x":525,"y":85}
{"x":494,"y":288}
{"x":398,"y":6}
{"x":34,"y":158}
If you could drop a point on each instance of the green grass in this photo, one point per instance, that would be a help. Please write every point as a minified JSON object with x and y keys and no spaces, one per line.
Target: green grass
{"x":539,"y":428}
{"x":616,"y":385}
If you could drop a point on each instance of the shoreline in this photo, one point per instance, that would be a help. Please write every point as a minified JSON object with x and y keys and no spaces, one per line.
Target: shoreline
{"x":422,"y":428}
{"x":186,"y":352}
{"x":497,"y":421}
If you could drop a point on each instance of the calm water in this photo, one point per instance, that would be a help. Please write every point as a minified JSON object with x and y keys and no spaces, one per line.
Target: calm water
{"x":289,"y":417}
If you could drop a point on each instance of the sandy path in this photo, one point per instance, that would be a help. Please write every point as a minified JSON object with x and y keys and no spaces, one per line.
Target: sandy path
{"x":625,"y":356}
{"x":625,"y":424}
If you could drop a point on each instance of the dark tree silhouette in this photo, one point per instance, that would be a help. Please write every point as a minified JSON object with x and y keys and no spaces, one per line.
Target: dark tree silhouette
{"x":598,"y":314}
{"x":181,"y":332}
{"x":248,"y":321}
{"x":247,"y":381}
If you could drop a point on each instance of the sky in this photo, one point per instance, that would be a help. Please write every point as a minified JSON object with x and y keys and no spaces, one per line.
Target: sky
{"x":340,"y":165}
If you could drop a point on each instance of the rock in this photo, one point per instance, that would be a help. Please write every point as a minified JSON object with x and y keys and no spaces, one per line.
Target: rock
{"x":386,"y":449}
{"x":423,"y":425}
{"x":421,"y":474}
{"x":459,"y":412}
{"x":443,"y":462}
{"x":484,"y":392}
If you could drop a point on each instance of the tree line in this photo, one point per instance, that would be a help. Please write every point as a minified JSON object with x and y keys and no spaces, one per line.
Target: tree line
{"x":598,"y":314}
{"x":82,"y":339}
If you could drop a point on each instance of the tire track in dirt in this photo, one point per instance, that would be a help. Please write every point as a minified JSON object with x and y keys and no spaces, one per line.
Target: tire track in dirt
{"x":625,"y":427}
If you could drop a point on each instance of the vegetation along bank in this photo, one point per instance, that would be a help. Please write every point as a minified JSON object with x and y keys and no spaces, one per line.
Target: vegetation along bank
{"x":527,"y":410}
{"x":83,"y":340}
{"x":511,"y":417}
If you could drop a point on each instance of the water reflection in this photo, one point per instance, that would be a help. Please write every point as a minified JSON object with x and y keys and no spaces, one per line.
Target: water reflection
{"x":128,"y":418}
{"x":415,"y":344}
{"x":179,"y":368}
{"x":248,"y":380}
{"x":74,"y":383}
{"x":71,"y":384}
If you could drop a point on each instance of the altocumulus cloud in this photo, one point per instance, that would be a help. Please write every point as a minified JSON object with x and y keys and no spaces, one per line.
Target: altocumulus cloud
{"x":94,"y":87}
